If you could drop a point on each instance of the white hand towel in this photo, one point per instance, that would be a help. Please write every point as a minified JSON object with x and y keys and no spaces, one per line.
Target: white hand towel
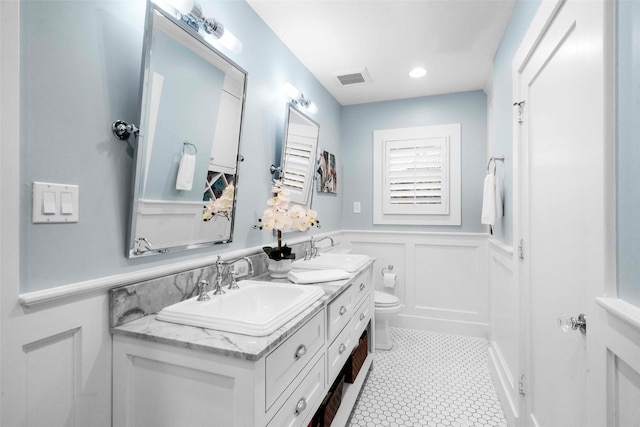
{"x":187,"y":168}
{"x":489,"y":200}
{"x":317,"y":276}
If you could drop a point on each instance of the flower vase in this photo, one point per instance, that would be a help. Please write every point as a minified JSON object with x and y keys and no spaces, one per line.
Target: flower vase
{"x":279,"y":269}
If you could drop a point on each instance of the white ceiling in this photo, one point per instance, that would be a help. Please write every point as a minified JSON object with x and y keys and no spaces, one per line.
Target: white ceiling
{"x":454,"y":39}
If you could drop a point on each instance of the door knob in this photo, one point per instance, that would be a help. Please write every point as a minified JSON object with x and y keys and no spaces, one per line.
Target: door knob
{"x":567,"y":323}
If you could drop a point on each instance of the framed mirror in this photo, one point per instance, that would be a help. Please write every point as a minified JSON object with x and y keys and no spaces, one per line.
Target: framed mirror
{"x":300,"y":143}
{"x":186,"y":159}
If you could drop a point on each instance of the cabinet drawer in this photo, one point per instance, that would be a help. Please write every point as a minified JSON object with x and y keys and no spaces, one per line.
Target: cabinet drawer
{"x":362,"y":286}
{"x":285,"y":363}
{"x":305,"y":399}
{"x":340,"y":311}
{"x":362,"y":316}
{"x":339,"y":351}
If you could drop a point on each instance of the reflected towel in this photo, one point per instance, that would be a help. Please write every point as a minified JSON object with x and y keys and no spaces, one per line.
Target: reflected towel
{"x":317,"y":276}
{"x":491,"y":200}
{"x":187,"y":168}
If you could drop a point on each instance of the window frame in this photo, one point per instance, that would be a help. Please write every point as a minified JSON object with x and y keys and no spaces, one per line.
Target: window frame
{"x":448,"y":212}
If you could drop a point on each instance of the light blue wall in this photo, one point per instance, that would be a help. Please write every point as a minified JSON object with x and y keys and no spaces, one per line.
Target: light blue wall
{"x":628,"y":155}
{"x":80,"y":65}
{"x":358,"y":123}
{"x":502,"y":101}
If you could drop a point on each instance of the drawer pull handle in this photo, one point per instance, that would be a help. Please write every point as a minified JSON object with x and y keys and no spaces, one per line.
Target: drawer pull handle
{"x":342,"y":348}
{"x":361,"y":316}
{"x":343,"y":310}
{"x":301,"y":351}
{"x":361,"y":286}
{"x":301,"y":406}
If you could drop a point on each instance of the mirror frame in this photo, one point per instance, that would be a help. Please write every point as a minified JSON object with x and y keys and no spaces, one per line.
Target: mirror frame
{"x":140,"y":148}
{"x":313,"y":158}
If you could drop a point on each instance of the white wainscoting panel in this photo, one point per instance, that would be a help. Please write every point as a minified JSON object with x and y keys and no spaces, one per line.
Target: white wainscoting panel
{"x":442,"y":278}
{"x":58,"y":364}
{"x":624,"y":393}
{"x":53,"y":378}
{"x":504,"y":332}
{"x":621,"y":331}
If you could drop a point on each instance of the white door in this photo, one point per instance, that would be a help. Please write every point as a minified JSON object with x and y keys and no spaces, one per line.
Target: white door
{"x":559,"y":77}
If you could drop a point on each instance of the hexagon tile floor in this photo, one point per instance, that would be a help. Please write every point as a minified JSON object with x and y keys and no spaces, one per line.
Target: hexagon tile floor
{"x":429,"y":379}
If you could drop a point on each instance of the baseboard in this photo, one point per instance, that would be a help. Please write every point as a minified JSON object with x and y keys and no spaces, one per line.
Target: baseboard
{"x":470,"y":329}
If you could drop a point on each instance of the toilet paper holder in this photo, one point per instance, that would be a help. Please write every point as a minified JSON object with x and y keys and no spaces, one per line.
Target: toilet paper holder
{"x":389,"y":267}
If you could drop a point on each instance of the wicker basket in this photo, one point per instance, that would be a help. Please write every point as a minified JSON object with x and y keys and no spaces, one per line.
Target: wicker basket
{"x":356,"y":360}
{"x":330,"y":405}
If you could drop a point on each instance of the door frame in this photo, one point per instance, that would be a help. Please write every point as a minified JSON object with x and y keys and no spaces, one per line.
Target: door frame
{"x":597,"y":359}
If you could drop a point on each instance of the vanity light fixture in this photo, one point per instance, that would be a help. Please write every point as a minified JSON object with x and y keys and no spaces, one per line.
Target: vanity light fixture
{"x":298,"y":99}
{"x":190,"y":12}
{"x":418,"y":72}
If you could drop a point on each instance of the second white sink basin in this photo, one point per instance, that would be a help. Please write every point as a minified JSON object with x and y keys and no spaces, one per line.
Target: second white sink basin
{"x":347,"y":262}
{"x":256,"y":309}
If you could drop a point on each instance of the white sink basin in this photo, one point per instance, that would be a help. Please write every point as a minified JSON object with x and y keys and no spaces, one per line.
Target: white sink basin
{"x":346,"y":262}
{"x":256,"y":309}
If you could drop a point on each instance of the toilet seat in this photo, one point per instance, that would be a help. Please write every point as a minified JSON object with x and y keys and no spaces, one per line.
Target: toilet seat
{"x":383,"y":299}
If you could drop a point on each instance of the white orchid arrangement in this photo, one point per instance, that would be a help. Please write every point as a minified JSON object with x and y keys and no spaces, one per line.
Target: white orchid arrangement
{"x":222,"y":206}
{"x":281,"y":216}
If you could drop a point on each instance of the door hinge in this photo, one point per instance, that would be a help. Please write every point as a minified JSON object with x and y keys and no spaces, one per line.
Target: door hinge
{"x":521,"y":385}
{"x":521,"y":249}
{"x":520,"y":106}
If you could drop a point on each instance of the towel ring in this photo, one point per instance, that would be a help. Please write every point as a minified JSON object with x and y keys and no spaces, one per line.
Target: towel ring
{"x":187,"y":143}
{"x":389,"y":267}
{"x":493,"y":159}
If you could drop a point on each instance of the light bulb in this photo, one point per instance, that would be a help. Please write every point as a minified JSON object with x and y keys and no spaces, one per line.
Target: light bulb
{"x":231,"y":42}
{"x":292,"y":92}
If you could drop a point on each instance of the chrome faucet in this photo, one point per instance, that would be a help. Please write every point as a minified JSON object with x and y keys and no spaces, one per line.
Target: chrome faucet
{"x":315,"y":250}
{"x":220,"y":272}
{"x":217,"y":287}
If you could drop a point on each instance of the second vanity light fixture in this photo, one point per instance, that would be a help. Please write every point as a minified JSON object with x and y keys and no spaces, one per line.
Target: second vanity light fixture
{"x":190,"y":12}
{"x":298,"y":99}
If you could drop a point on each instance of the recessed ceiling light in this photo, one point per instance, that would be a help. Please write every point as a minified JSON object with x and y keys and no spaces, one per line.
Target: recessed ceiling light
{"x":418,"y":72}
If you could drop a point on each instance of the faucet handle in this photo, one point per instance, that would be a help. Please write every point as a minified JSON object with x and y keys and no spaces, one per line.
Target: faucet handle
{"x":233,"y":285}
{"x":202,"y":289}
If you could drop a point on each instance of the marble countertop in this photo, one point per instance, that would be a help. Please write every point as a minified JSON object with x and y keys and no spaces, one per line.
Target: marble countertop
{"x":228,"y":344}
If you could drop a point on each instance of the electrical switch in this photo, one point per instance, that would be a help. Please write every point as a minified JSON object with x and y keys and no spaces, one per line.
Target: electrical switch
{"x":48,"y":203}
{"x":66,"y":203}
{"x":54,"y":203}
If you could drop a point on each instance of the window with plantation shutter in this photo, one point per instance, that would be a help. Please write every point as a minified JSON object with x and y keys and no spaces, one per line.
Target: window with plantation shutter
{"x":416,"y":178}
{"x":417,"y":175}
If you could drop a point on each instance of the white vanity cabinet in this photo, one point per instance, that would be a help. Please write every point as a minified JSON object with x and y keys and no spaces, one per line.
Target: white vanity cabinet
{"x":166,"y":379}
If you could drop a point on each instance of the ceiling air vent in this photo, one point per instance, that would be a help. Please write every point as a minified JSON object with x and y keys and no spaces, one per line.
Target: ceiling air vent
{"x":352,"y":78}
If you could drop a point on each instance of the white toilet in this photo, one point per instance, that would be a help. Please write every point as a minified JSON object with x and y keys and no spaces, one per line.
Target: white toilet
{"x":386,"y":306}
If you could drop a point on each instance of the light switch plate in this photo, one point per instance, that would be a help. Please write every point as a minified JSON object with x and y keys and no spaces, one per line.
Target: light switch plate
{"x":54,"y":202}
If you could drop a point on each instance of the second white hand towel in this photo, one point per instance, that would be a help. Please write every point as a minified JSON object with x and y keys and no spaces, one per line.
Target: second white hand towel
{"x":186,"y":169}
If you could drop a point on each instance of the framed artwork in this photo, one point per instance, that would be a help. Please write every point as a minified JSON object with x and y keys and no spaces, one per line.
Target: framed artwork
{"x":328,"y":181}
